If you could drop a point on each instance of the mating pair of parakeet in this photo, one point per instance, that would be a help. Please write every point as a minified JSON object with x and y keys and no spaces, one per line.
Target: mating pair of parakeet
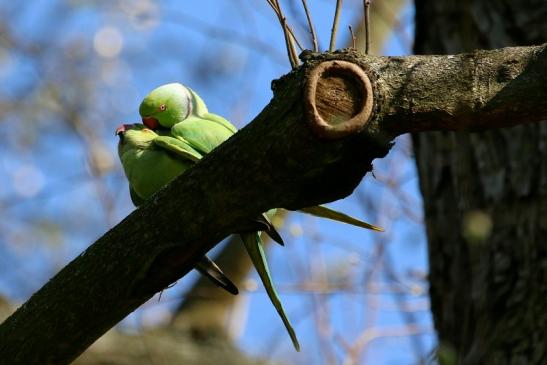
{"x":177,"y":132}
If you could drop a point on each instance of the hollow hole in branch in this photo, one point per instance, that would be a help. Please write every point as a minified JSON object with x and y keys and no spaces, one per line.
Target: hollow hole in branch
{"x":339,"y":96}
{"x":338,"y":99}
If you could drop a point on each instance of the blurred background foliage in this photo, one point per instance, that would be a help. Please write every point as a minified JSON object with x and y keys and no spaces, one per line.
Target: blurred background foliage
{"x":72,"y":70}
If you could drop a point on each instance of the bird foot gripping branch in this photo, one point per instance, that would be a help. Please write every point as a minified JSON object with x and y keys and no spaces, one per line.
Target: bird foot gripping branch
{"x":350,"y":108}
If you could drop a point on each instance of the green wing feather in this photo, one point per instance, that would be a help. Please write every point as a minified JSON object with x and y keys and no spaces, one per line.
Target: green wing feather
{"x":253,"y":244}
{"x":221,"y":121}
{"x":203,"y":134}
{"x":180,"y":147}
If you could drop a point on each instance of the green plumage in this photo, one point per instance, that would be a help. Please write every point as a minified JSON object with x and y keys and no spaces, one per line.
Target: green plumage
{"x":148,"y":168}
{"x":146,"y":164}
{"x":151,"y":161}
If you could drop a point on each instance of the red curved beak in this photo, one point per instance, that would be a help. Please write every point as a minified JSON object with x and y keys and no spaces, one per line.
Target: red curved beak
{"x":151,"y":122}
{"x":122,"y":128}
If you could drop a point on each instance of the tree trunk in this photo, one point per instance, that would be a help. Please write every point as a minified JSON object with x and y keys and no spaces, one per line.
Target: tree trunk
{"x":485,"y":198}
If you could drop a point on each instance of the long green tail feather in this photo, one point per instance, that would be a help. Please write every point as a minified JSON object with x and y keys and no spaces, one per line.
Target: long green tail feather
{"x":253,"y":244}
{"x":324,"y":212}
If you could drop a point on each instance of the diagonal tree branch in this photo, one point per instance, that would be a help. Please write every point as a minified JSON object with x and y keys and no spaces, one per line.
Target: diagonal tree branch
{"x":276,"y":161}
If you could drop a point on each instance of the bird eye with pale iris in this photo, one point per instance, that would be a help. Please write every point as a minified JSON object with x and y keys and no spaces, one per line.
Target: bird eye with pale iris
{"x":162,"y":107}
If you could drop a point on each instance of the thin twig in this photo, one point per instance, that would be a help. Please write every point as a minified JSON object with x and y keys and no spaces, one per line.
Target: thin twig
{"x":310,"y":25}
{"x":293,"y":58}
{"x":298,"y":44}
{"x":272,"y":5}
{"x":289,"y":36}
{"x":370,"y":334}
{"x":332,"y":45}
{"x":287,"y":32}
{"x":367,"y":33}
{"x":352,"y":37}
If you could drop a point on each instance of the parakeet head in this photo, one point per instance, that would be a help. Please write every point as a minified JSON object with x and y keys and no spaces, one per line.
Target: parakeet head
{"x":170,"y":104}
{"x":134,"y":136}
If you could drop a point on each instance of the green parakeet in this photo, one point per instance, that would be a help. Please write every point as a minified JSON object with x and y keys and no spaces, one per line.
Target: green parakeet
{"x":148,"y":168}
{"x":151,"y":161}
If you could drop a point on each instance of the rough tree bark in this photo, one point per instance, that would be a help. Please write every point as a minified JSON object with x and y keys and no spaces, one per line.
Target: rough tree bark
{"x":488,"y":293}
{"x":276,"y":161}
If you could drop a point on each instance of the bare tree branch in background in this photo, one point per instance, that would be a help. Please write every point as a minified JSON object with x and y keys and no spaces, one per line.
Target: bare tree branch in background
{"x":384,"y":21}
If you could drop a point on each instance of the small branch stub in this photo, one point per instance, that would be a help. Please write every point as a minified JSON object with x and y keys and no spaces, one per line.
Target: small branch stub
{"x":338,"y":99}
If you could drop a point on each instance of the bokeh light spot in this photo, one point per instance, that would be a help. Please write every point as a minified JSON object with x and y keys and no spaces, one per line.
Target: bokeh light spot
{"x":250,"y":285}
{"x":295,"y":230}
{"x":27,"y":181}
{"x":477,"y":226}
{"x":108,"y":42}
